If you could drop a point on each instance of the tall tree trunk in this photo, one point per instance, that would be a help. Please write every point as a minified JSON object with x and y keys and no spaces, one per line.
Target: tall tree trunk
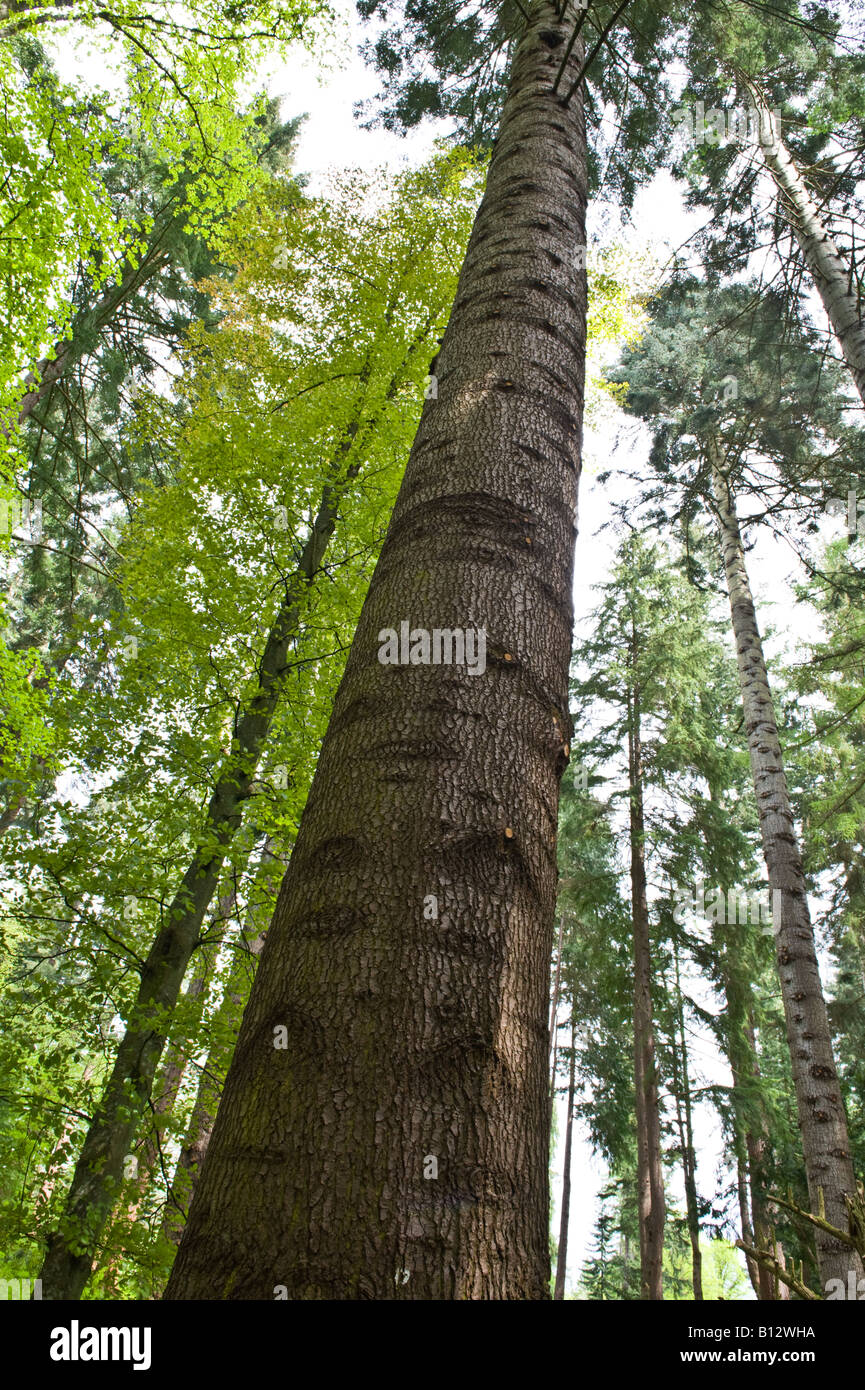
{"x":685,"y":1124}
{"x":650,"y":1177}
{"x":830,"y":273}
{"x":562,"y":1257}
{"x":71,"y":1248}
{"x":226,"y":1025}
{"x":822,"y":1121}
{"x":223,"y":1032}
{"x":751,"y":1137}
{"x":555,"y":1004}
{"x":54,"y":1167}
{"x":756,"y":1139}
{"x":409,"y":956}
{"x":625,"y":1257}
{"x":554,"y":1034}
{"x":39,"y":383}
{"x":744,"y":1208}
{"x":167,"y":1086}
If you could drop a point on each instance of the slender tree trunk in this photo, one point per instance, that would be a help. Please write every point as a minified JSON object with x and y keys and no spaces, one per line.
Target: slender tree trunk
{"x":167,"y":1087}
{"x":223,"y":1032}
{"x":831,"y":274}
{"x":744,"y":1209}
{"x":554,"y":1034}
{"x":555,"y":1005}
{"x":54,"y":1167}
{"x":650,"y":1177}
{"x":50,"y":370}
{"x":684,"y":1117}
{"x":409,"y":957}
{"x":750,"y":1137}
{"x":822,"y":1121}
{"x":756,"y":1139}
{"x":625,"y":1254}
{"x":70,"y":1252}
{"x":562,"y":1258}
{"x":10,"y":813}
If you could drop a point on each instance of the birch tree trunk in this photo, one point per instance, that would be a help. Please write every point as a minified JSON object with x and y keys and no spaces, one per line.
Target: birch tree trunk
{"x":822,"y":1121}
{"x":397,"y":1147}
{"x":650,"y":1177}
{"x":829,"y":271}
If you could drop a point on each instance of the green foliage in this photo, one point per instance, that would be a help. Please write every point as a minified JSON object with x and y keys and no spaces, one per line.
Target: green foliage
{"x":181,"y":77}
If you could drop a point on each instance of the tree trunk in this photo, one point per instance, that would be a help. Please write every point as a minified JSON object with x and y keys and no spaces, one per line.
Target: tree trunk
{"x":50,"y":370}
{"x":69,"y":1256}
{"x":167,"y":1086}
{"x":223,"y":1032}
{"x":745,"y":1211}
{"x":554,"y":1034}
{"x":684,"y":1117}
{"x":831,"y":275}
{"x":225,"y":1026}
{"x":751,"y":1138}
{"x":562,"y":1257}
{"x":822,"y":1121}
{"x":770,"y":1287}
{"x":409,"y":957}
{"x":650,"y":1178}
{"x":555,"y":1005}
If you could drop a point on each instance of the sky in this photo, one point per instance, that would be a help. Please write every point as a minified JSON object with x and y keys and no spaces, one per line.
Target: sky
{"x":325,"y":88}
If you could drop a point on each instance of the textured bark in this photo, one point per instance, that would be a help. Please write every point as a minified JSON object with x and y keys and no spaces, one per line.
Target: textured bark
{"x":650,"y":1177}
{"x":829,"y":271}
{"x":822,"y":1122}
{"x":414,"y":1038}
{"x":562,"y":1256}
{"x":70,"y":1252}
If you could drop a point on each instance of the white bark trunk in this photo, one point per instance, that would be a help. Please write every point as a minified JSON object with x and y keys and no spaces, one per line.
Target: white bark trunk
{"x":822,"y":1121}
{"x":829,"y":271}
